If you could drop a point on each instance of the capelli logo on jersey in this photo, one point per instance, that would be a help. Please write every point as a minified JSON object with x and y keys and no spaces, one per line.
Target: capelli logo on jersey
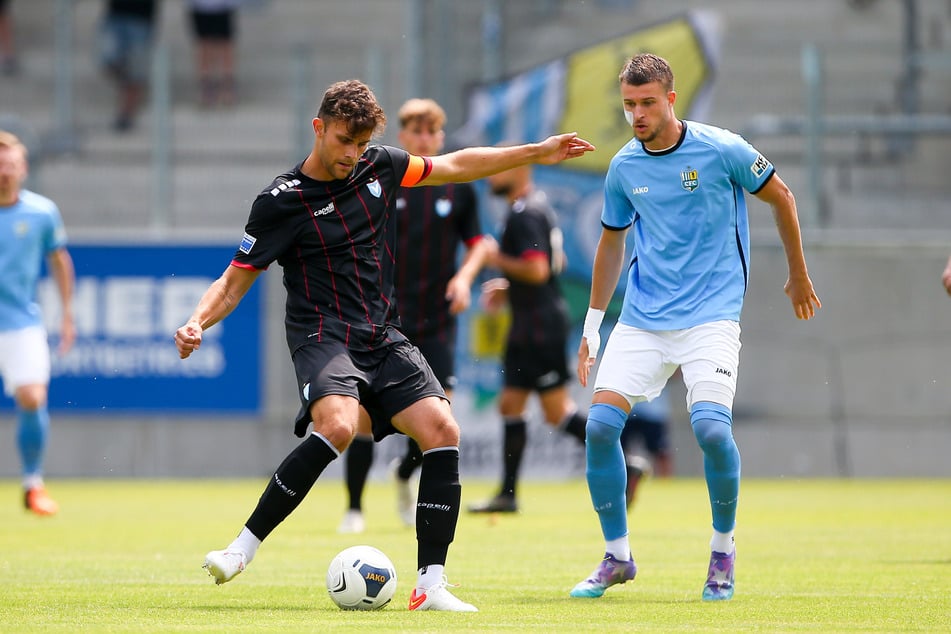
{"x":690,"y":179}
{"x":323,"y":211}
{"x":283,"y":187}
{"x":375,"y":188}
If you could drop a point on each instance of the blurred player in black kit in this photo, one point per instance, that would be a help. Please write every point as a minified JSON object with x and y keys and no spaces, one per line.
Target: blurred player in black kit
{"x":431,"y":289}
{"x":530,"y":256}
{"x":326,"y":222}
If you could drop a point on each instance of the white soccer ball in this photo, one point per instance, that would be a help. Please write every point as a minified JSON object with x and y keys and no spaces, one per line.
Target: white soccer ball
{"x":361,"y":578}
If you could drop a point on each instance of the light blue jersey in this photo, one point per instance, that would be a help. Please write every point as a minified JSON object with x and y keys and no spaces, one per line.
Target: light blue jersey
{"x":690,"y":261}
{"x":30,"y":229}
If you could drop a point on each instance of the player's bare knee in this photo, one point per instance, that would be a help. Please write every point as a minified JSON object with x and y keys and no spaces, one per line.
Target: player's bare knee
{"x":337,"y":431}
{"x":440,"y":432}
{"x":31,"y":397}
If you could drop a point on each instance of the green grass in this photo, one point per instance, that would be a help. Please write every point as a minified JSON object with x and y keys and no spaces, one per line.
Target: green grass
{"x":814,"y":556}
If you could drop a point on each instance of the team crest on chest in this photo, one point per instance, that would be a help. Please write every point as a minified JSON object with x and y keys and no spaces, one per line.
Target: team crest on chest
{"x":443,"y":207}
{"x":375,"y":188}
{"x":690,"y":179}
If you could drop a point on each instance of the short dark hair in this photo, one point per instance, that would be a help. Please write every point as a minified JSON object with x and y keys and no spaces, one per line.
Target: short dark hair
{"x":644,"y":68}
{"x":353,"y":101}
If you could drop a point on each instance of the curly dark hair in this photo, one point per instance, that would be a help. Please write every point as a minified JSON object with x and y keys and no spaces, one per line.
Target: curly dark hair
{"x":644,"y":68}
{"x":353,"y":101}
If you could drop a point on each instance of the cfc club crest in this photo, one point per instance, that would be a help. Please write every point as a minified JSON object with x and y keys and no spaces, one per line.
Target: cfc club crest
{"x":690,"y":179}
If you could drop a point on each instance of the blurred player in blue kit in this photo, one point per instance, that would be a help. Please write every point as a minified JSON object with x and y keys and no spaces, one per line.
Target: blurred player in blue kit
{"x":31,"y":229}
{"x":679,"y":186}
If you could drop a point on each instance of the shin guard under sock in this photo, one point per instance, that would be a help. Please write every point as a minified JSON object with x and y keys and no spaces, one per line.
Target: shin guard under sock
{"x":290,"y":483}
{"x":713,"y":427}
{"x":437,"y":508}
{"x":32,"y":431}
{"x":605,"y":471}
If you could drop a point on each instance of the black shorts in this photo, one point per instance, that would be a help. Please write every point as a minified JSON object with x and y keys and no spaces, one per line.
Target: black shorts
{"x":385,"y":381}
{"x":217,"y":25}
{"x":442,"y":360}
{"x":535,"y":368}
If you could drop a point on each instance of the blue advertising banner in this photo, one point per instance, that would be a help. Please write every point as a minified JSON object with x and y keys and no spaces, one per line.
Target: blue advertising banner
{"x":129,"y":300}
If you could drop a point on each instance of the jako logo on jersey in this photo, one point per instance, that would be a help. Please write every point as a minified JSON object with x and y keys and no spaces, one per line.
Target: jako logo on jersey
{"x":285,"y":186}
{"x":640,"y":190}
{"x":690,"y":179}
{"x":759,"y":166}
{"x":247,"y":242}
{"x":722,"y":371}
{"x":375,"y":188}
{"x":323,"y":211}
{"x":443,"y":207}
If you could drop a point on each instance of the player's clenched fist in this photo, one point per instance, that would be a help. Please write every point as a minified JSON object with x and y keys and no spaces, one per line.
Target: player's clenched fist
{"x":188,"y":339}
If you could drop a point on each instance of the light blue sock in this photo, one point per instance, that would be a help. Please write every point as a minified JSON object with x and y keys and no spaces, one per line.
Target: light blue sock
{"x":607,"y":477}
{"x":32,"y":430}
{"x":713,"y":428}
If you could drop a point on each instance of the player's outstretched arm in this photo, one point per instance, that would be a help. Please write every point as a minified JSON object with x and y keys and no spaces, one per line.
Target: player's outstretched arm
{"x":473,"y":163}
{"x":798,"y":285}
{"x":219,"y":300}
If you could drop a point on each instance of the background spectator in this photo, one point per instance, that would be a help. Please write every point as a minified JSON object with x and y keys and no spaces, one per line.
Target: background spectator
{"x":213,"y":25}
{"x":127,"y":32}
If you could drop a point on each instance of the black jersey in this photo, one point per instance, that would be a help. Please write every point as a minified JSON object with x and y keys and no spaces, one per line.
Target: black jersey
{"x":431,"y":222}
{"x":539,"y":312}
{"x":330,"y":237}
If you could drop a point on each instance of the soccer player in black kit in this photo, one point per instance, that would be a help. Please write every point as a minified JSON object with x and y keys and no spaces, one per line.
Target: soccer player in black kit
{"x":530,"y":256}
{"x":326,"y":223}
{"x":431,"y":289}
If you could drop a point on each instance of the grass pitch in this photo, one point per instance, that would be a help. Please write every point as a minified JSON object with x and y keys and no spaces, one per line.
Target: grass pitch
{"x":813,"y":556}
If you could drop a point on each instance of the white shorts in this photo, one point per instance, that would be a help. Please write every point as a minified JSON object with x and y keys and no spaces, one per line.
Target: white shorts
{"x":637,"y":363}
{"x":24,"y":358}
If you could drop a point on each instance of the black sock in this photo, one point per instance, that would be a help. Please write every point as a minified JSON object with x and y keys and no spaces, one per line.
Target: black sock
{"x":412,"y":459}
{"x":513,"y":448}
{"x":357,"y":465}
{"x":289,"y":484}
{"x":437,"y":508}
{"x":575,"y":425}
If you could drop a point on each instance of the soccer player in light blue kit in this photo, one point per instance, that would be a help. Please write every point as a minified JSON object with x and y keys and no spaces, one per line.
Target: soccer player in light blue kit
{"x":679,"y":185}
{"x":30,"y":229}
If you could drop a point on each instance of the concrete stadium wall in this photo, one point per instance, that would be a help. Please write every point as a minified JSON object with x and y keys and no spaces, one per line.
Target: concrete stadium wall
{"x":862,"y":390}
